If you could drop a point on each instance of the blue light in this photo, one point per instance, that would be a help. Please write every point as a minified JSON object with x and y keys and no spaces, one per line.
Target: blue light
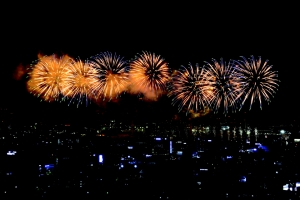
{"x":49,"y":166}
{"x":263,"y":148}
{"x":100,"y":158}
{"x":157,"y":138}
{"x":243,"y":179}
{"x":11,"y":153}
{"x":195,"y":155}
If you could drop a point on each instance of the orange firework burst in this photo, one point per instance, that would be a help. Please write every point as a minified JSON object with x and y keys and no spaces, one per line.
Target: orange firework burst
{"x":45,"y":77}
{"x":258,"y":80}
{"x":149,"y":74}
{"x":112,"y":75}
{"x":191,"y":88}
{"x":78,"y":81}
{"x":225,"y":83}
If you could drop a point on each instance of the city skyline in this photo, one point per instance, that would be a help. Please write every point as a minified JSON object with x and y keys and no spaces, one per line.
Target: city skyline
{"x":159,"y":159}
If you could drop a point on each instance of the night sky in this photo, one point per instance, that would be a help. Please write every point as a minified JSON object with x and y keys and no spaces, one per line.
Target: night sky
{"x":181,"y":35}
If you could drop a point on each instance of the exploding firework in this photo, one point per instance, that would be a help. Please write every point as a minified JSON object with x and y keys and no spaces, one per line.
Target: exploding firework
{"x":149,"y":75}
{"x":191,"y":88}
{"x":45,"y":77}
{"x":257,"y":79}
{"x":78,"y":81}
{"x":112,"y":74}
{"x":225,"y":82}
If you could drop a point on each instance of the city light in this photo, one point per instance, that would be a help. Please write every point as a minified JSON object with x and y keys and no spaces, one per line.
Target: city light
{"x":100,"y":158}
{"x":136,"y":160}
{"x":11,"y":153}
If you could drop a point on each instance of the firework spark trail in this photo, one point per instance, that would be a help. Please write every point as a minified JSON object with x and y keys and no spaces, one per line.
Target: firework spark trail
{"x":45,"y":77}
{"x":224,"y":79}
{"x":149,"y":75}
{"x":258,"y":80}
{"x":78,"y":81}
{"x":191,"y":88}
{"x":112,"y":74}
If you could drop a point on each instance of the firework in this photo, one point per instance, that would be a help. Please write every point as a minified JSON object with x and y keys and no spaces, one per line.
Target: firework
{"x":225,"y":82}
{"x":112,"y":74}
{"x":78,"y":81}
{"x":190,"y":88}
{"x":258,"y":80}
{"x":149,"y":75}
{"x":45,"y":77}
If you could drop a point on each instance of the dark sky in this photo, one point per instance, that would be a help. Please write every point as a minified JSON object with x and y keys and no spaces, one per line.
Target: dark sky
{"x":180,"y":33}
